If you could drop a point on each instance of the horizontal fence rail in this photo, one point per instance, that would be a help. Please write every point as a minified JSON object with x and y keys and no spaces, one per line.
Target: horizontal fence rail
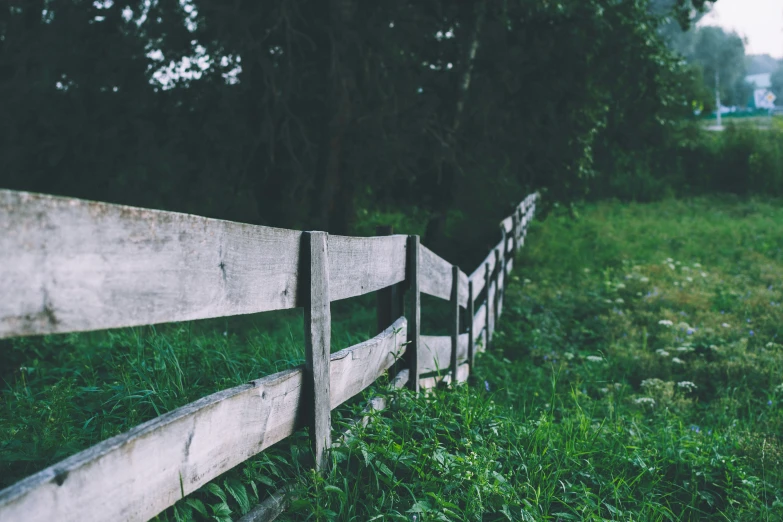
{"x":69,"y":265}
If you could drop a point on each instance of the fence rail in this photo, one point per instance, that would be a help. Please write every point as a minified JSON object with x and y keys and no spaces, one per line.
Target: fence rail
{"x":69,"y":265}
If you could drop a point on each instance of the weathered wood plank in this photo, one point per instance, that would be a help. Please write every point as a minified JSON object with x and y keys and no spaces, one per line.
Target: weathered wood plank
{"x":359,"y":265}
{"x":436,"y":352}
{"x":509,"y":266}
{"x":69,"y":265}
{"x":490,"y":324}
{"x":136,"y":475}
{"x":480,"y":319}
{"x":463,"y":371}
{"x":507,"y":224}
{"x":479,"y":275}
{"x":414,"y":313}
{"x":354,"y":369}
{"x":434,"y":274}
{"x":435,"y":277}
{"x":318,"y":335}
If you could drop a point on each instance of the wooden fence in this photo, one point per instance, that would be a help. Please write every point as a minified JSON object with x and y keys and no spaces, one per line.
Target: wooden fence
{"x":69,"y":265}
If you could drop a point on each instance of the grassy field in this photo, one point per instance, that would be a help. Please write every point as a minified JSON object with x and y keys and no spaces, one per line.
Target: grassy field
{"x":637,"y":375}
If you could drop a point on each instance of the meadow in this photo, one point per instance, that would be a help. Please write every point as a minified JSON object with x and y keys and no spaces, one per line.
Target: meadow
{"x":637,"y":375}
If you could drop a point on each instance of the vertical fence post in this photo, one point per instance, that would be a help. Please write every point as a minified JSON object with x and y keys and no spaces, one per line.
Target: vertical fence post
{"x":498,"y":268}
{"x":389,"y":300}
{"x":502,"y":272}
{"x":471,"y":333}
{"x":318,"y":331}
{"x":514,"y":228}
{"x":414,"y":313}
{"x":488,"y":305}
{"x":454,"y":321}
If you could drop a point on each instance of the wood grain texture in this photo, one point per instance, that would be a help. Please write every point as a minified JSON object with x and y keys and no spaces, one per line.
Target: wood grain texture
{"x":69,"y":265}
{"x":436,"y":355}
{"x":136,"y":475}
{"x":354,"y":369}
{"x":359,"y":265}
{"x":318,"y":335}
{"x":435,"y":277}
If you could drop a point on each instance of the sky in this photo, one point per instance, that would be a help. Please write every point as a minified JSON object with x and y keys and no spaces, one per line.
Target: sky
{"x":759,"y":21}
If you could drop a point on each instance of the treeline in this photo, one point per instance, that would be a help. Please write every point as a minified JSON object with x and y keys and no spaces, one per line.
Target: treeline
{"x":309,"y":113}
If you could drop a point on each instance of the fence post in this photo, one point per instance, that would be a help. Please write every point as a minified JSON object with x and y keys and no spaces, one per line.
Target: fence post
{"x":414,"y":313}
{"x":471,"y":333}
{"x":318,"y":331}
{"x":488,"y":305}
{"x":454,"y":321}
{"x":514,"y":229}
{"x":501,"y":291}
{"x":498,"y":268}
{"x":389,"y":300}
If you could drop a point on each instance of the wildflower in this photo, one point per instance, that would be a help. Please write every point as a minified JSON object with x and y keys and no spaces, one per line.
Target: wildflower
{"x":620,"y":286}
{"x":645,"y":401}
{"x":769,"y":402}
{"x":587,"y":270}
{"x":619,"y":300}
{"x":671,"y":266}
{"x":704,"y":274}
{"x":486,"y":385}
{"x":594,"y":358}
{"x":669,"y":260}
{"x":779,"y":388}
{"x":568,"y":355}
{"x":644,"y":279}
{"x":665,"y":322}
{"x":677,"y":360}
{"x":686,"y":269}
{"x":695,"y":428}
{"x":687,"y":385}
{"x":689,"y":279}
{"x":697,"y":265}
{"x":748,"y":320}
{"x":662,"y":352}
{"x":750,"y":333}
{"x":725,"y":325}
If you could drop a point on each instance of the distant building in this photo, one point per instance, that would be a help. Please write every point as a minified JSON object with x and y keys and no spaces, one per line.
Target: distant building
{"x":763,"y":98}
{"x":760,"y":81}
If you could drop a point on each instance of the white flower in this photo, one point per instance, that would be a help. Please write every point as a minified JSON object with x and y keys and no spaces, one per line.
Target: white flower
{"x":619,"y":300}
{"x":697,"y":265}
{"x":644,"y":279}
{"x":665,"y":322}
{"x":652,"y":383}
{"x":594,"y":358}
{"x":685,"y":349}
{"x":669,"y":260}
{"x":779,"y":388}
{"x":725,"y":325}
{"x":704,"y":274}
{"x":687,"y":385}
{"x":686,"y":269}
{"x":620,"y":285}
{"x":645,"y":401}
{"x":568,"y":355}
{"x":662,"y":352}
{"x":671,"y":266}
{"x":677,"y":360}
{"x":689,"y":279}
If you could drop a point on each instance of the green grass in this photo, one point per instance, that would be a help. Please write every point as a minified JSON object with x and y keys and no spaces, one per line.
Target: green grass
{"x":590,"y":405}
